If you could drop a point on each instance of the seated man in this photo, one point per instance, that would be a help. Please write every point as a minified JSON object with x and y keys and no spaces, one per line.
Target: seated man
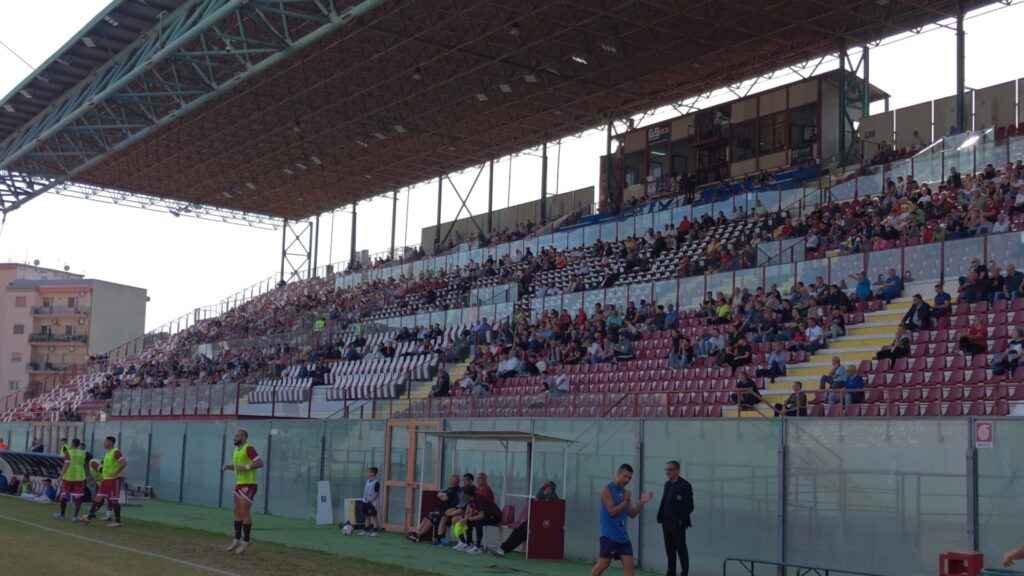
{"x":898,"y":349}
{"x":481,"y":511}
{"x":943,"y":302}
{"x":457,"y":510}
{"x":796,"y":403}
{"x":518,"y":535}
{"x":854,"y":386}
{"x":893,"y":286}
{"x":776,"y":363}
{"x":747,"y":395}
{"x":1009,"y":359}
{"x":919,"y":316}
{"x":836,"y":377}
{"x":429,"y":525}
{"x":557,"y":386}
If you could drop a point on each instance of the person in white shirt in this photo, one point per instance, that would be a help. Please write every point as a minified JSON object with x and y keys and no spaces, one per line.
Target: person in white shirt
{"x":559,"y":385}
{"x":1002,"y":223}
{"x":595,"y":352}
{"x":815,"y":336}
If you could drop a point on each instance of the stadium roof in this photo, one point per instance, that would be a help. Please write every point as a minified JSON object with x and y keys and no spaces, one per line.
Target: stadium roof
{"x":291,"y":108}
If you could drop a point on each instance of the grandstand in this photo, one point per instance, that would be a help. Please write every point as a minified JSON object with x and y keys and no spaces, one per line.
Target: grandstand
{"x":670,"y":320}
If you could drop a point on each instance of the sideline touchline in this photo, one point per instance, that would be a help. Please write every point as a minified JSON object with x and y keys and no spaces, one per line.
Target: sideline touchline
{"x":120,"y":547}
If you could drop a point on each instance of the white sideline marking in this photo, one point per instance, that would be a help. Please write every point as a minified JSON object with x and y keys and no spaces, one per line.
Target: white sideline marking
{"x":120,"y":547}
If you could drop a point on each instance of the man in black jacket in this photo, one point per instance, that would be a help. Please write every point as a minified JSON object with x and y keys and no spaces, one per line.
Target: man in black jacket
{"x":674,"y":517}
{"x":919,"y":316}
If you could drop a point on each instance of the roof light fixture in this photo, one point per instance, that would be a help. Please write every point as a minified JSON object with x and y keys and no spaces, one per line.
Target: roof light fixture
{"x":110,"y":20}
{"x":417,"y":73}
{"x":289,"y":171}
{"x":530,"y":78}
{"x":88,"y":42}
{"x":379,"y":135}
{"x":250,"y":185}
{"x":26,"y":94}
{"x":580,"y":59}
{"x":399,"y":128}
{"x":301,"y":166}
{"x":504,"y":88}
{"x":611,"y":46}
{"x":8,"y":107}
{"x":316,"y":160}
{"x":482,"y":97}
{"x":514,"y":29}
{"x":363,"y":143}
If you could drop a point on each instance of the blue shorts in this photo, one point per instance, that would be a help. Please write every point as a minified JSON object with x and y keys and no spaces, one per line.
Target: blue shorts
{"x":615,"y":550}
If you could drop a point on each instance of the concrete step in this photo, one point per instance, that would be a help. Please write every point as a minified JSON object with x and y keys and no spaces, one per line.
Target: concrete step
{"x":846,"y":355}
{"x":760,"y":411}
{"x":858,"y":343}
{"x":876,"y":329}
{"x":884,"y":316}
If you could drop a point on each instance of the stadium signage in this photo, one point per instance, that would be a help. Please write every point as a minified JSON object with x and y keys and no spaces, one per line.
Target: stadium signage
{"x":984,"y":434}
{"x":659,"y":134}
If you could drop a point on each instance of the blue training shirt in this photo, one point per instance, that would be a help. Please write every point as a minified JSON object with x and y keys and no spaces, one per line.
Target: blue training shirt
{"x":614,"y":527}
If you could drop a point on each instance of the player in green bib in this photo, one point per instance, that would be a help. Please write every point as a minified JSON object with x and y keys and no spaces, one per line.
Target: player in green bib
{"x":110,"y":483}
{"x":245,"y":461}
{"x":72,"y":476}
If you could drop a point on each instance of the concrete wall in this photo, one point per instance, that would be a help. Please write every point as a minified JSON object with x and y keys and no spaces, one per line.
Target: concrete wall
{"x":992,"y":106}
{"x":118,"y":315}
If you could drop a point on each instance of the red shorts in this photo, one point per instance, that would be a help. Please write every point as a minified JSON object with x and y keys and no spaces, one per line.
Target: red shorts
{"x":110,"y":488}
{"x":74,"y":489}
{"x":246,"y":492}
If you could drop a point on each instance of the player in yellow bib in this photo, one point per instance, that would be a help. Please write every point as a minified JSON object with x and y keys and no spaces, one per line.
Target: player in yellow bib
{"x":111,"y":481}
{"x":245,"y":462}
{"x":72,"y":476}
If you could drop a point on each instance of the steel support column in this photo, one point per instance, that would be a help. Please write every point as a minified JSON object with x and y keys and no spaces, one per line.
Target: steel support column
{"x":961,"y":120}
{"x":437,"y":230}
{"x":544,"y":182}
{"x":842,"y":98}
{"x":854,"y":100}
{"x":490,"y":199}
{"x":394,"y":220}
{"x":352,"y":252}
{"x":316,"y":245}
{"x":608,"y":170}
{"x":296,"y":250}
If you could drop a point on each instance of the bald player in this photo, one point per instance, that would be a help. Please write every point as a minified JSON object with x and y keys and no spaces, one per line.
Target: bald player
{"x":245,"y":462}
{"x":111,"y":482}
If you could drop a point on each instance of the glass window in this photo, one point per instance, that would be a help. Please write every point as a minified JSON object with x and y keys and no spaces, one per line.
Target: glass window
{"x":19,"y":328}
{"x":20,"y":301}
{"x":772,"y":133}
{"x":13,"y":385}
{"x":744,"y":138}
{"x":803,"y":132}
{"x":15,"y":357}
{"x":657,"y":161}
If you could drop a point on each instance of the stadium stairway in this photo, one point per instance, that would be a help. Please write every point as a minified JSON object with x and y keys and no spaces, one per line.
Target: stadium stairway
{"x":421,"y":389}
{"x":861,"y":342}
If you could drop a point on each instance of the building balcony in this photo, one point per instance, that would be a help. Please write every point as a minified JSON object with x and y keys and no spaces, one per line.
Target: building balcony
{"x":60,"y":310}
{"x":57,"y":338}
{"x":46,"y":367}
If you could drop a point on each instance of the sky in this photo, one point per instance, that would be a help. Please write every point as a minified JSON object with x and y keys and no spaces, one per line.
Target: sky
{"x":186,"y":263}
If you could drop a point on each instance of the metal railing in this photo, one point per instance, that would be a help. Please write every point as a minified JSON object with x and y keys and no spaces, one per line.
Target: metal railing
{"x":48,"y":337}
{"x":748,"y":566}
{"x":60,"y":310}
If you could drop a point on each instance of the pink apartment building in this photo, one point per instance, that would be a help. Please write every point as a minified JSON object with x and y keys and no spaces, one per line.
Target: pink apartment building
{"x":51,"y":321}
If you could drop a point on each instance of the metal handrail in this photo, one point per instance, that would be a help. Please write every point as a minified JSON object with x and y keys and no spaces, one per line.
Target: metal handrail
{"x":749,"y":565}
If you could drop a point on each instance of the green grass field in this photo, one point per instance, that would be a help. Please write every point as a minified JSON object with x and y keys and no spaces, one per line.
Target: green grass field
{"x":165,"y":538}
